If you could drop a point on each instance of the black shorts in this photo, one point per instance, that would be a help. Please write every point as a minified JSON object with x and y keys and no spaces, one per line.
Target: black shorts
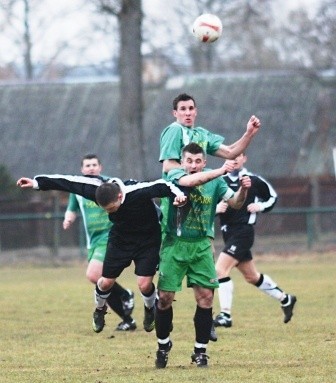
{"x":144,"y":254}
{"x":238,"y":241}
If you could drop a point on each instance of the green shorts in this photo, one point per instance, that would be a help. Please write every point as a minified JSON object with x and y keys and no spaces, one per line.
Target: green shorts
{"x":97,"y":252}
{"x":190,"y":258}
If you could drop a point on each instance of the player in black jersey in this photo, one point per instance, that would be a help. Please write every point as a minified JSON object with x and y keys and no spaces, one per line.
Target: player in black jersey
{"x":134,"y":237}
{"x":238,"y":235}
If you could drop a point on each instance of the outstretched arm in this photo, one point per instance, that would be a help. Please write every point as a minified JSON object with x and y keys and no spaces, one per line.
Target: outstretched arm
{"x":238,"y":147}
{"x":82,"y":185}
{"x":201,"y":178}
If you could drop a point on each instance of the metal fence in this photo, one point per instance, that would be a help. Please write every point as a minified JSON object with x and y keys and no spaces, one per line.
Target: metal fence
{"x":281,"y":230}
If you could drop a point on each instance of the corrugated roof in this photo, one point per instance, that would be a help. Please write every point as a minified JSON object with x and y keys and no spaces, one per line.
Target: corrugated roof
{"x":46,"y":128}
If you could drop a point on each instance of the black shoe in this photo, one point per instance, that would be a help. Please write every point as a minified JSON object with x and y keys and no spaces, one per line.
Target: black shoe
{"x":200,"y":359}
{"x":213,"y":335}
{"x":223,"y":320}
{"x":126,"y":326}
{"x":162,"y":356}
{"x":149,"y":319}
{"x":128,"y":303}
{"x":288,"y":309}
{"x":98,"y":322}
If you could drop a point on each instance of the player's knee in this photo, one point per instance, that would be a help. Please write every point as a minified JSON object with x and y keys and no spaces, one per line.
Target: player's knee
{"x":165,"y":300}
{"x":145,"y":285}
{"x":251,"y":278}
{"x":92,"y":276}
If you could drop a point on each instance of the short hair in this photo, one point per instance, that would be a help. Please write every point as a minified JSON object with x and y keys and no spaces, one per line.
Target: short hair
{"x":107,"y":193}
{"x":193,"y":148}
{"x":90,"y":156}
{"x":182,"y":97}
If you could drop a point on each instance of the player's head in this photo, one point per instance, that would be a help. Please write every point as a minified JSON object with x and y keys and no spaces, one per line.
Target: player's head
{"x":91,"y":165}
{"x":184,"y":109}
{"x":193,"y":158}
{"x":109,"y":196}
{"x":239,"y":161}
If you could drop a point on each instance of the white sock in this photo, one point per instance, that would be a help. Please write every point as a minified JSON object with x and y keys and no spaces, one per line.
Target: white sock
{"x":269,"y":287}
{"x":225,"y":295}
{"x":149,"y":301}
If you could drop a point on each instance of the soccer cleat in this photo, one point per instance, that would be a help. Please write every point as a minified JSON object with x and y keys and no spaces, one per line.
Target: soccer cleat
{"x":288,"y":309}
{"x":223,"y":320}
{"x":200,"y":359}
{"x":213,"y":335}
{"x":149,"y":319}
{"x":98,"y":322}
{"x":128,"y":303}
{"x":126,"y":326}
{"x":162,"y":356}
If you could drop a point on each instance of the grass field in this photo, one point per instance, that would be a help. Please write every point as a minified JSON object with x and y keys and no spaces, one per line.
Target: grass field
{"x":46,"y":335}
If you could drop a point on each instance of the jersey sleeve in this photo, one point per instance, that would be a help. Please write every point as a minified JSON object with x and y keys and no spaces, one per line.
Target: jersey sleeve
{"x":82,"y":185}
{"x":175,"y":174}
{"x":214,"y":141}
{"x":155,"y":189}
{"x":225,"y":193}
{"x":266,"y":195}
{"x":73,"y":205}
{"x":171,"y":142}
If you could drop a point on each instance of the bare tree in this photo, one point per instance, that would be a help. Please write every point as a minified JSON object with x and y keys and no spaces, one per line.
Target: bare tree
{"x":39,"y":41}
{"x":130,"y":111}
{"x":308,"y":41}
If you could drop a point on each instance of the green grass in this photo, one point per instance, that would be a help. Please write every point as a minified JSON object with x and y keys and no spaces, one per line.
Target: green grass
{"x":46,"y":335}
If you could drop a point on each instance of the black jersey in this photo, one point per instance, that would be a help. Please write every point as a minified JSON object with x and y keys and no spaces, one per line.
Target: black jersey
{"x":260,"y":192}
{"x":137,"y":215}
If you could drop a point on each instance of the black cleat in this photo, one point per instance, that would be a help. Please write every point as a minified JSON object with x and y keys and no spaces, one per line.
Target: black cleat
{"x":98,"y":321}
{"x":200,"y":359}
{"x":213,"y":335}
{"x":126,"y":326}
{"x":162,"y":356}
{"x":149,"y":319}
{"x":223,"y":320}
{"x":288,"y":309}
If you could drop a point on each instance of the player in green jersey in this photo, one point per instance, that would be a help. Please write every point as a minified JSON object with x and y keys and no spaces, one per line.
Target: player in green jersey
{"x":186,"y":248}
{"x":97,"y":226}
{"x":183,"y":131}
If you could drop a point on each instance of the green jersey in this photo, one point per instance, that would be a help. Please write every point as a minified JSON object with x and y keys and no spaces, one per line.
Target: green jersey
{"x":96,"y":221}
{"x":195,"y":220}
{"x":176,"y":136}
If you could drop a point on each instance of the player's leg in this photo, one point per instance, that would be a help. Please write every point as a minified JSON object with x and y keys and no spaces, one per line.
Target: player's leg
{"x":163,"y":326}
{"x":201,"y":276}
{"x":238,"y":241}
{"x":171,"y":274}
{"x":224,"y":265}
{"x":202,"y":323}
{"x":266,"y":284}
{"x":146,"y":259}
{"x":118,"y":298}
{"x":115,"y":262}
{"x":148,"y":293}
{"x":121,"y":301}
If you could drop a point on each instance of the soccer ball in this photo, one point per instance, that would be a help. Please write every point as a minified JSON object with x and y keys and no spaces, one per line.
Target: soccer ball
{"x":207,"y":28}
